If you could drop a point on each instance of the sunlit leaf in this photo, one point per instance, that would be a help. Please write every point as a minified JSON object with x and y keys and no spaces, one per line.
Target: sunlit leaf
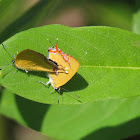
{"x":109,"y":64}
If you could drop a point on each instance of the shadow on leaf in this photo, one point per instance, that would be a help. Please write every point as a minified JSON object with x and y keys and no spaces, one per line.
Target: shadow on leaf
{"x":127,"y":129}
{"x":32,"y":112}
{"x":76,"y":83}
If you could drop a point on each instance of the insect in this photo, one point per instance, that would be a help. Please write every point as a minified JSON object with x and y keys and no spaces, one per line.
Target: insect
{"x":66,"y":61}
{"x":30,"y":60}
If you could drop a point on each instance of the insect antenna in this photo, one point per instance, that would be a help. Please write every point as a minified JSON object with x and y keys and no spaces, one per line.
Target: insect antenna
{"x":50,"y":42}
{"x":11,"y":57}
{"x":7,"y":51}
{"x":56,"y":42}
{"x":5,"y":66}
{"x":71,"y":92}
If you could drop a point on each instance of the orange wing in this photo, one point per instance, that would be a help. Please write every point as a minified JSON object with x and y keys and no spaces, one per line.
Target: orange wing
{"x":68,"y":62}
{"x":33,"y":61}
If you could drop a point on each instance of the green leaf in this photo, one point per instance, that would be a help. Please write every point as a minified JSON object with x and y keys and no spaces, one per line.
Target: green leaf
{"x":109,"y":13}
{"x":108,"y":120}
{"x":8,"y":12}
{"x":109,"y":64}
{"x":136,"y":18}
{"x":4,"y":5}
{"x":30,"y":19}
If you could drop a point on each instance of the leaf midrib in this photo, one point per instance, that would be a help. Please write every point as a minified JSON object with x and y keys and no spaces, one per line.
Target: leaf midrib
{"x":112,"y":67}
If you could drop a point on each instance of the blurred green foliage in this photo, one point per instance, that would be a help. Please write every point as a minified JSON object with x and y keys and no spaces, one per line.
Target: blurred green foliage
{"x":17,"y":16}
